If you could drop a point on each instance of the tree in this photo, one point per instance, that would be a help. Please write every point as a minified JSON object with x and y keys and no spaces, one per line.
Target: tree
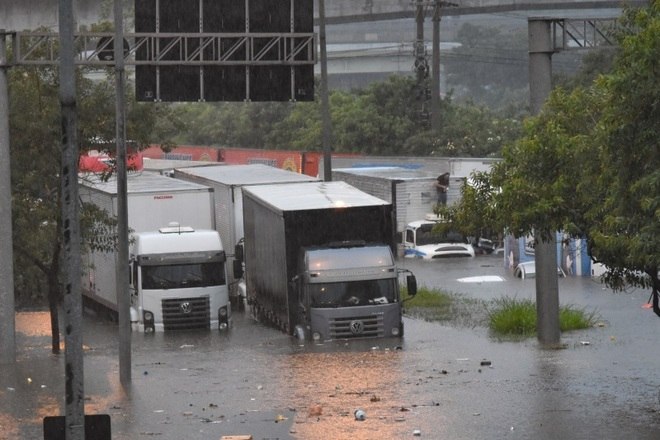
{"x":589,"y":165}
{"x":627,"y":233}
{"x":381,"y":119}
{"x":35,"y":162}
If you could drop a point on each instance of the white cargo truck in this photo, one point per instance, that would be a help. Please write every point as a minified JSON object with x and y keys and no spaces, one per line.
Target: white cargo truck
{"x":228,"y":182}
{"x":420,"y":240}
{"x":178,"y":276}
{"x":411,"y":192}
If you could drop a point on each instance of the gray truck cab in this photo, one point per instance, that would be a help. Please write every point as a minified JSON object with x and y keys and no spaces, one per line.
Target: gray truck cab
{"x":348,"y":292}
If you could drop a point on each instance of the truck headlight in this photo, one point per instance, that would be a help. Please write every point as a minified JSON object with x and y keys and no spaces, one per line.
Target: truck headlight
{"x":395,"y":331}
{"x":148,"y":318}
{"x":316,"y":336}
{"x":223,"y":318}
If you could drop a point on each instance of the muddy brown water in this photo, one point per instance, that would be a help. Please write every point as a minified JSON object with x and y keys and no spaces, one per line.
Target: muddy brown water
{"x":431,"y":384}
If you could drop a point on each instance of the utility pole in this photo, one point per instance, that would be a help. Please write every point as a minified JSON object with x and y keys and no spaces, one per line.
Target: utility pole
{"x":7,"y":314}
{"x":73,"y":355}
{"x":547,"y":36}
{"x":541,"y":49}
{"x":435,"y":69}
{"x":123,"y":299}
{"x":325,"y":105}
{"x":436,"y":116}
{"x":421,"y":64}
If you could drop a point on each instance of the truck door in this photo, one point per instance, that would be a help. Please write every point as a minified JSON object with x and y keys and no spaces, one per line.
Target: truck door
{"x":409,"y":239}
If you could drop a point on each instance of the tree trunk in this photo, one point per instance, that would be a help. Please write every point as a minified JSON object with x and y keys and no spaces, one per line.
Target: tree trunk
{"x":54,"y":323}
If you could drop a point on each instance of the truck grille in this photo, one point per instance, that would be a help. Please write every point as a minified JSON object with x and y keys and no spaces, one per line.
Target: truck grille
{"x":186,"y":313}
{"x":357,"y":327}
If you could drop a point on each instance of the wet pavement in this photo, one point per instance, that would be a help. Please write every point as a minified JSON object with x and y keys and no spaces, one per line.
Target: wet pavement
{"x":431,"y":384}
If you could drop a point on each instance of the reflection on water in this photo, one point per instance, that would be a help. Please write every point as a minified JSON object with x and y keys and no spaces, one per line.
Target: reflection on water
{"x":33,"y":323}
{"x":327,"y":388}
{"x":33,"y":388}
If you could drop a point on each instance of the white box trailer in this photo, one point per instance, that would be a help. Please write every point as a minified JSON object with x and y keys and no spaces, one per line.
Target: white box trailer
{"x":173,"y":236}
{"x":411,"y":192}
{"x":153,"y":200}
{"x":228,"y":182}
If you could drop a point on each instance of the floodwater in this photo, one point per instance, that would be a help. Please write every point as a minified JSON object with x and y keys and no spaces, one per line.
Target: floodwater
{"x":431,"y":384}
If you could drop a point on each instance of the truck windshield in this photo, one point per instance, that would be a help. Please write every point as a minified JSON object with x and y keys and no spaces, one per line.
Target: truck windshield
{"x":425,"y":235}
{"x":353,"y":293}
{"x":181,"y":276}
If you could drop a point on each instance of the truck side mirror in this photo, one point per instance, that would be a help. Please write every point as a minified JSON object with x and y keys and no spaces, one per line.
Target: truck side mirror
{"x":237,"y":268}
{"x":411,"y":282}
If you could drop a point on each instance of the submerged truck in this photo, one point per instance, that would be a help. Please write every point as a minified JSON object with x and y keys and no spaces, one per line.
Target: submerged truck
{"x":319,"y":261}
{"x":421,"y":240}
{"x":178,"y":277}
{"x":228,"y":182}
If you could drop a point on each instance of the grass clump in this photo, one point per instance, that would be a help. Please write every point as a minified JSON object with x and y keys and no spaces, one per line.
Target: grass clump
{"x":429,"y":304}
{"x":517,"y":318}
{"x":571,"y":318}
{"x":438,"y":305}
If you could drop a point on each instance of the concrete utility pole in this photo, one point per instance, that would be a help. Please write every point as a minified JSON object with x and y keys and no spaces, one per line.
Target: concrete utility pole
{"x":7,"y":316}
{"x":420,"y":48}
{"x":123,"y":299}
{"x":435,"y":69}
{"x":541,"y":48}
{"x":325,"y":105}
{"x":73,"y":355}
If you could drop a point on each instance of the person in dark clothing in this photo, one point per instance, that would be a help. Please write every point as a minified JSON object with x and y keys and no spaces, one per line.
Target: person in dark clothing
{"x":442,"y":186}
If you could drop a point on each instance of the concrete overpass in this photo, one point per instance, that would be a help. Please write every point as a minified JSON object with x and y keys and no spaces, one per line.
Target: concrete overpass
{"x":31,"y":14}
{"x":368,"y":40}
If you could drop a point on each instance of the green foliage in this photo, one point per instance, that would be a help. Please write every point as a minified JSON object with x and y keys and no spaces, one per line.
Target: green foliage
{"x":35,"y":166}
{"x":513,"y":317}
{"x":573,"y":318}
{"x":589,"y":165}
{"x":381,"y":119}
{"x":437,"y":305}
{"x":626,"y":236}
{"x":517,"y":318}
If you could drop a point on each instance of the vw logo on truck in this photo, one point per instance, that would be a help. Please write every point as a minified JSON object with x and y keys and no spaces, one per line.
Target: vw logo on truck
{"x":186,"y":307}
{"x":357,"y":327}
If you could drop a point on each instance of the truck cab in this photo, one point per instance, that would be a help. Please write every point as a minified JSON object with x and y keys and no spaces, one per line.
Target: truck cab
{"x":348,"y":292}
{"x":421,"y":241}
{"x":178,"y":280}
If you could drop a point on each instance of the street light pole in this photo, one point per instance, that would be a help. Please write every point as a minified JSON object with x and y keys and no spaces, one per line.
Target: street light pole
{"x":7,"y":314}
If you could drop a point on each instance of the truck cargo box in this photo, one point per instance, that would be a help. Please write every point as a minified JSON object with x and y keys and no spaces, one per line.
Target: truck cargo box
{"x":411,"y":192}
{"x":153,"y":200}
{"x":228,"y":182}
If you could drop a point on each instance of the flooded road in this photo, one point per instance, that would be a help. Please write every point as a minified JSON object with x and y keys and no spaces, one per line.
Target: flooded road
{"x":256,"y":380}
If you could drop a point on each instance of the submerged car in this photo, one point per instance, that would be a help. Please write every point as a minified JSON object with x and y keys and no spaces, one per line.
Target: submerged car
{"x":420,"y":241}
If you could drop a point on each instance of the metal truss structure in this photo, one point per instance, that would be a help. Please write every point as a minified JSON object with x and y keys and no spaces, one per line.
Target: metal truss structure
{"x":583,"y":33}
{"x":180,"y":49}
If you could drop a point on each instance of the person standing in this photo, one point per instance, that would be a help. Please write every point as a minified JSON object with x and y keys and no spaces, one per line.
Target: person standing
{"x":442,"y":186}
